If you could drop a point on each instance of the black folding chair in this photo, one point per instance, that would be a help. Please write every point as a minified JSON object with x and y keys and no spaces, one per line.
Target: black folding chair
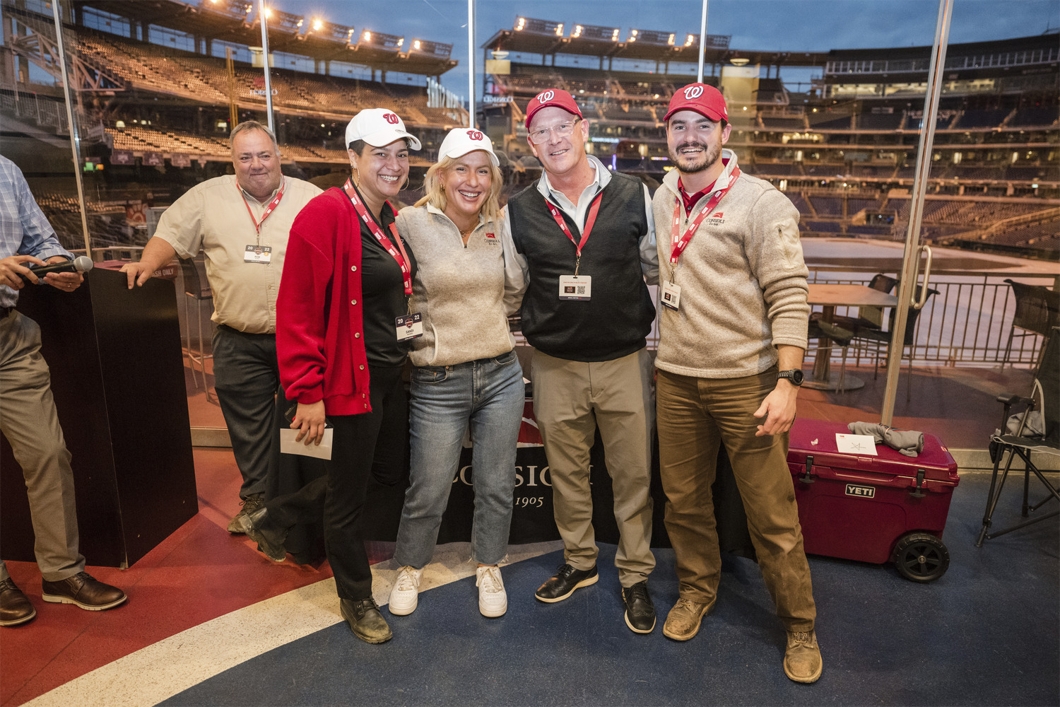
{"x":881,"y":340}
{"x":1037,"y":311}
{"x":1004,"y":448}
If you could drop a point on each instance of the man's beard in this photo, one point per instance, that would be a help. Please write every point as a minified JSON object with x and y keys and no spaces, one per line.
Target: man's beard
{"x":690,"y":164}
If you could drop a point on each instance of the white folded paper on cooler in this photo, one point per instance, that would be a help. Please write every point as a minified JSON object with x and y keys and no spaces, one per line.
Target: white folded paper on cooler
{"x":288,"y":445}
{"x":864,"y":445}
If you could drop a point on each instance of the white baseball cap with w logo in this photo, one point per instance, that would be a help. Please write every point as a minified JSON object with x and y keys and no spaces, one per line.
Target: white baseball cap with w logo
{"x":378,"y":127}
{"x":461,"y":141}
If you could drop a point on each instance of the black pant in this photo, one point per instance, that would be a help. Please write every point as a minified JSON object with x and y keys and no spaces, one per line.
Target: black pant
{"x":247,"y":378}
{"x":363,"y":446}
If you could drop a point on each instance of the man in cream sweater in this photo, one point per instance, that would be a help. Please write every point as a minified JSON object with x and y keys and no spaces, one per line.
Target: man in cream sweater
{"x":733,"y":333}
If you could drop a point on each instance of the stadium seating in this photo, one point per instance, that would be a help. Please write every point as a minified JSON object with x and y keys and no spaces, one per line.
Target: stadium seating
{"x":853,"y":150}
{"x":981,"y":119}
{"x":1041,"y":116}
{"x":880,"y":121}
{"x":145,"y":66}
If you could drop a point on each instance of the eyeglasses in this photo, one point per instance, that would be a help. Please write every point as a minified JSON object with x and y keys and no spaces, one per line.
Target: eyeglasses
{"x":563,"y":130}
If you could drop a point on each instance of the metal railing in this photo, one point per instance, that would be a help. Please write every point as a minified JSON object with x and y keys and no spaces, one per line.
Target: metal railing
{"x":968,"y":322}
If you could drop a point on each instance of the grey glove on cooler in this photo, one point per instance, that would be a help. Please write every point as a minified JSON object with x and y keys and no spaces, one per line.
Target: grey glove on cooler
{"x":907,"y":442}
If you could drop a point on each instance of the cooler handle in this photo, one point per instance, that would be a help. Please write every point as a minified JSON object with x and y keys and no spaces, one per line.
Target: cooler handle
{"x":807,"y":478}
{"x":916,"y":492}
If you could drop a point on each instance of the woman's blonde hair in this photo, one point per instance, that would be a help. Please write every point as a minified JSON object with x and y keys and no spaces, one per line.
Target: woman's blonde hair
{"x":434,"y":186}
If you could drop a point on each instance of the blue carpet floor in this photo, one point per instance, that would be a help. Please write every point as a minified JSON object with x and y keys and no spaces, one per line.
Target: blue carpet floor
{"x":988,"y":632}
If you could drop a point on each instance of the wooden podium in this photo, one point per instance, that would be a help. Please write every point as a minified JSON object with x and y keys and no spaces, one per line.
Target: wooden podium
{"x":118,"y":383}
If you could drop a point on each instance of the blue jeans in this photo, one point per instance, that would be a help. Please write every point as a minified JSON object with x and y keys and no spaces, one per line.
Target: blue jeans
{"x":488,"y":395}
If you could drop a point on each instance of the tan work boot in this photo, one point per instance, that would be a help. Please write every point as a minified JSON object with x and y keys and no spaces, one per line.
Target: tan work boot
{"x":682,"y":623}
{"x":802,"y":659}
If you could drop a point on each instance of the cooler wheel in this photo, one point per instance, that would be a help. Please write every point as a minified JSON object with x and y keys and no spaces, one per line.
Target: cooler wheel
{"x":921,"y":557}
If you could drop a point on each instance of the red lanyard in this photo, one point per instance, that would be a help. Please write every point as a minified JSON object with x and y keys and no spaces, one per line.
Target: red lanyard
{"x":679,"y":241}
{"x":590,"y":221}
{"x":402,"y":257}
{"x":268,"y":209}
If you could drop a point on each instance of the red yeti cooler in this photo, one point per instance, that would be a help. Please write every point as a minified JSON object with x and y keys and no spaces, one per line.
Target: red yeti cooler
{"x":884,"y":508}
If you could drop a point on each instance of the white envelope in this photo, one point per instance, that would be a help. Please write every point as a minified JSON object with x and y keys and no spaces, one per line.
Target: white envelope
{"x":865,"y":445}
{"x":288,"y":445}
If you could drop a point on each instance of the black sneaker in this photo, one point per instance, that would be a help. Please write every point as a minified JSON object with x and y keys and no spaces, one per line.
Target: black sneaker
{"x":640,"y":612}
{"x":365,"y":620}
{"x":254,"y":525}
{"x":564,"y":582}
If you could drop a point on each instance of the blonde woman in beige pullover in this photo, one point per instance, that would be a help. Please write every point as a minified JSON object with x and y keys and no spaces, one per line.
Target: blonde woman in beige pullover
{"x":466,"y":374}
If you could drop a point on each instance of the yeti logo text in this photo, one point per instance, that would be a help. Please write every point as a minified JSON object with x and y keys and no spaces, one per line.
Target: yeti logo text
{"x":391,"y":118}
{"x":474,"y":134}
{"x":693,"y":92}
{"x":546,"y":96}
{"x":860,"y":491}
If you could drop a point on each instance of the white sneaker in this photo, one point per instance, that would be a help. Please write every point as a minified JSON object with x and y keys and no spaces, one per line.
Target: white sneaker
{"x":492,"y":599}
{"x":405,"y":595}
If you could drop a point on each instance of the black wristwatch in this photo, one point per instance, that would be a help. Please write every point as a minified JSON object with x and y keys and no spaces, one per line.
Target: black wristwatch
{"x":794,"y":376}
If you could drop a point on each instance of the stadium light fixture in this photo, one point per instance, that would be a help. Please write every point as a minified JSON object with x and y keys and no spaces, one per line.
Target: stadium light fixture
{"x":690,"y":40}
{"x":416,"y":44}
{"x":577,"y":31}
{"x":318,"y":25}
{"x":632,"y":36}
{"x":268,"y":13}
{"x":400,"y":42}
{"x":559,"y":30}
{"x":520,"y":24}
{"x":366,"y":36}
{"x":614,"y":35}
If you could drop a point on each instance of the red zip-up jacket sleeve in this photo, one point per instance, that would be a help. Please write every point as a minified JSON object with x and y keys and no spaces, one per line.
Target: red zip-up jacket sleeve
{"x":319,"y":324}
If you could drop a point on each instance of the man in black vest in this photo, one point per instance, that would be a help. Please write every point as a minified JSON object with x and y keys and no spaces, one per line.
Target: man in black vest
{"x":583,"y":240}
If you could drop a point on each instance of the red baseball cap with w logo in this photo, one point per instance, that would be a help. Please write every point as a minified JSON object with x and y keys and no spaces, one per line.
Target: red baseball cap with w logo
{"x":461,"y":141}
{"x":703,"y":99}
{"x":378,"y":127}
{"x":552,"y":97}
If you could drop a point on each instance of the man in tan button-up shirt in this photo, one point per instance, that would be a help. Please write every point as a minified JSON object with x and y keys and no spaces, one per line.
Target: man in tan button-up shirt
{"x":241,"y":222}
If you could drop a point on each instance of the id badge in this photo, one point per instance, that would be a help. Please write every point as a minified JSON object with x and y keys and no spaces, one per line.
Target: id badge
{"x":575,"y":287}
{"x":258,"y":254}
{"x":409,"y":326}
{"x":671,"y":295}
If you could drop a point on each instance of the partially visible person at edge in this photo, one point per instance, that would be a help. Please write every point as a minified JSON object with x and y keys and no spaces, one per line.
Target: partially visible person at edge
{"x":241,"y":222}
{"x":342,"y":340}
{"x":732,"y":338}
{"x":466,"y":374}
{"x":28,"y":419}
{"x":583,"y":243}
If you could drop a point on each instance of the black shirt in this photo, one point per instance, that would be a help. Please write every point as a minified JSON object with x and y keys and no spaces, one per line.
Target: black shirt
{"x":383,"y":291}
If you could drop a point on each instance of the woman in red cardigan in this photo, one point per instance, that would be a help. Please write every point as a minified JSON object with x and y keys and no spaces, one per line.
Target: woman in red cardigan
{"x":341,"y":340}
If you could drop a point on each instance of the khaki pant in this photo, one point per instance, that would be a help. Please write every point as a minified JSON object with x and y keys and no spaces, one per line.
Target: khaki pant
{"x":29,"y":422}
{"x":572,"y":399}
{"x":695,"y":416}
